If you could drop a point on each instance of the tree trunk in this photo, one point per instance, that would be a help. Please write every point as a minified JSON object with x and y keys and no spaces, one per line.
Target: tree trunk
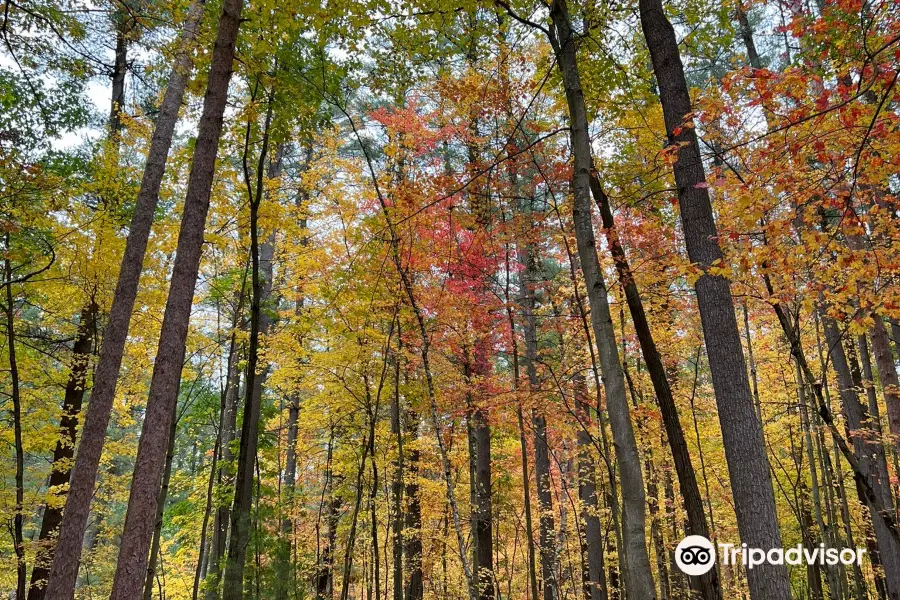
{"x":261,"y":288}
{"x":805,"y":425}
{"x":222,"y":518}
{"x":397,"y":482}
{"x":64,"y":451}
{"x":324,"y":579}
{"x":707,"y":585}
{"x":284,"y":574}
{"x":160,"y":511}
{"x":887,"y":374}
{"x":870,"y":456}
{"x":480,"y":457}
{"x":16,"y":396}
{"x":166,"y":377}
{"x":65,"y":563}
{"x":547,"y":542}
{"x":639,"y":577}
{"x":592,"y":538}
{"x":745,"y":452}
{"x":203,"y":552}
{"x":124,"y":23}
{"x":412,"y":535}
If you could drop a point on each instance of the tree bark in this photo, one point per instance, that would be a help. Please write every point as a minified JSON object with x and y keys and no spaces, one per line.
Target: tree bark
{"x":870,"y":456}
{"x":324,"y":578}
{"x":64,"y":572}
{"x":594,"y":576}
{"x":160,"y":512}
{"x":639,"y":577}
{"x":231,"y":394}
{"x":284,"y":575}
{"x":16,"y":397}
{"x":414,"y":588}
{"x":166,"y":376}
{"x":887,"y":375}
{"x":397,"y":482}
{"x":707,"y":585}
{"x":745,"y":452}
{"x":203,"y":552}
{"x":64,"y":451}
{"x":261,"y":288}
{"x":482,"y":513}
{"x":546,"y":525}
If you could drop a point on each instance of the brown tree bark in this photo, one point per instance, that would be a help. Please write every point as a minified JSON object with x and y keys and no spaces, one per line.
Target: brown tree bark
{"x":887,"y":375}
{"x":414,"y":588}
{"x":324,"y":578}
{"x":745,"y":452}
{"x":61,"y":465}
{"x":397,"y":481}
{"x":708,"y":584}
{"x":222,"y":517}
{"x":870,"y":456}
{"x":639,"y":576}
{"x":261,"y":287}
{"x":16,"y":397}
{"x":546,"y":525}
{"x":166,"y":376}
{"x":594,"y":572}
{"x":64,"y":572}
{"x":482,"y":513}
{"x":160,"y":512}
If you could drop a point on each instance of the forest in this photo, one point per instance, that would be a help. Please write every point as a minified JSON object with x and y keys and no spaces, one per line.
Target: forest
{"x":449,"y":299}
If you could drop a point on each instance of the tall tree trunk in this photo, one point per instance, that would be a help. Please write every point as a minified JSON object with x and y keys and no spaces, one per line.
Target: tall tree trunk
{"x":284,"y":573}
{"x":231,"y":395}
{"x":203,"y":551}
{"x":160,"y":512}
{"x":397,"y":481}
{"x":708,"y":584}
{"x":324,"y":579}
{"x":373,"y":515}
{"x":520,"y":418}
{"x":16,"y":396}
{"x":816,"y":496}
{"x":166,"y":376}
{"x":639,"y":577}
{"x":870,"y":456}
{"x":124,"y":22}
{"x":887,"y":375}
{"x":547,"y":541}
{"x":592,"y":538}
{"x":414,"y":588}
{"x":480,"y":460}
{"x":656,"y":532}
{"x":64,"y":451}
{"x":742,"y":437}
{"x":261,"y":288}
{"x":64,"y":572}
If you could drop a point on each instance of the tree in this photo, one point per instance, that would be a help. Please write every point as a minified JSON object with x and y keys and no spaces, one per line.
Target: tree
{"x":148,"y":468}
{"x":745,"y":450}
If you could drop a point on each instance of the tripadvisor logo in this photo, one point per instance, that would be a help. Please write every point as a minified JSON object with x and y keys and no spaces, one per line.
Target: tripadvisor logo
{"x":695,"y":555}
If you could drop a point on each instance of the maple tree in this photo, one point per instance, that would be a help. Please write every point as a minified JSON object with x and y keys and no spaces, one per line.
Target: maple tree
{"x":448,"y":299}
